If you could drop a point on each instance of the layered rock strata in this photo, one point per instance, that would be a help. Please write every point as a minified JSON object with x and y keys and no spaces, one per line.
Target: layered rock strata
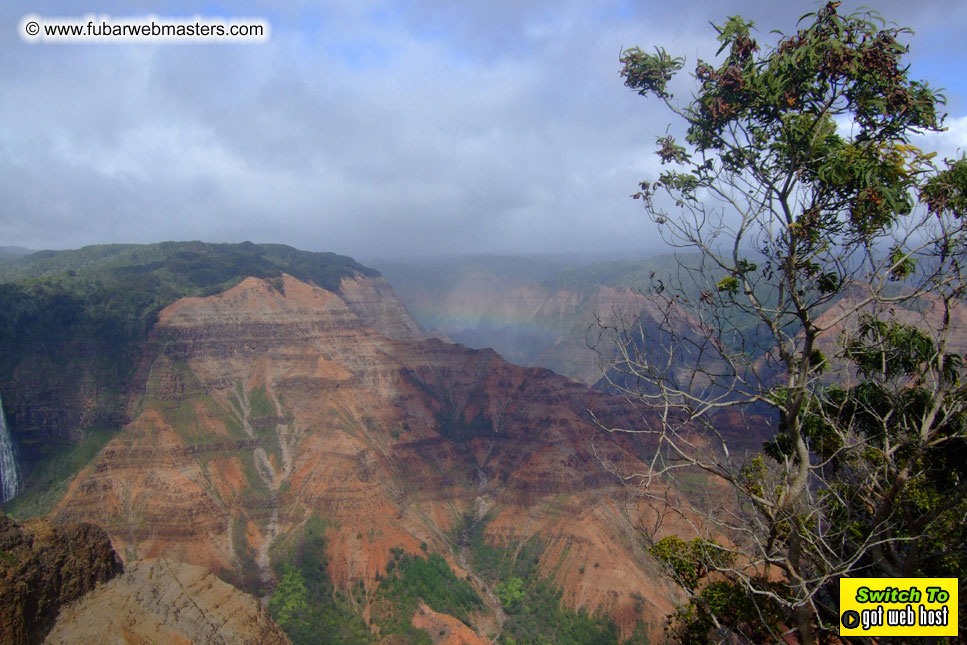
{"x":270,"y":402}
{"x":163,"y":601}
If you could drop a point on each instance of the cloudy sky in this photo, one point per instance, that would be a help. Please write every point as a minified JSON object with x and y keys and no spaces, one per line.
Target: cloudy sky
{"x":371,"y":128}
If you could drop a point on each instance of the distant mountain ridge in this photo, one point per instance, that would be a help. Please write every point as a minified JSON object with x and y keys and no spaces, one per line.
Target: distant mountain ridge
{"x":8,"y":253}
{"x":549,"y":312}
{"x":201,"y":264}
{"x":534,"y":311}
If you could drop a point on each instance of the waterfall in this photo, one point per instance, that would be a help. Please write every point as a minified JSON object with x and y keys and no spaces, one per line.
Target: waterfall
{"x":9,"y":477}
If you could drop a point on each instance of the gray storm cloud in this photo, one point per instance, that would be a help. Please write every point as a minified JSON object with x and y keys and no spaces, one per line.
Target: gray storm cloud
{"x":384,"y":129}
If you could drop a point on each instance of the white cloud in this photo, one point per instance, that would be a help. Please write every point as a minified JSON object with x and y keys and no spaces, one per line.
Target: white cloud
{"x":949,"y":144}
{"x":373,"y":128}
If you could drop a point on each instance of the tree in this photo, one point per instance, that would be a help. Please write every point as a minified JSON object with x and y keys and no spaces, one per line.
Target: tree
{"x":820,"y":278}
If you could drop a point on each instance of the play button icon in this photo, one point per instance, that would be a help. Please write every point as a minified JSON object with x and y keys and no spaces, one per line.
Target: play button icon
{"x":850,"y":619}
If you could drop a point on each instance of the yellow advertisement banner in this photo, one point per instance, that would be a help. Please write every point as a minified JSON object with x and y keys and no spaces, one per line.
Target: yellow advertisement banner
{"x":898,"y":606}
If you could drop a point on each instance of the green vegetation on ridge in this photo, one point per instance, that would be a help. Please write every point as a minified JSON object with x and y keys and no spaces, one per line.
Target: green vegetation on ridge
{"x":196,"y":263}
{"x":113,"y":293}
{"x":408,"y":580}
{"x":71,"y":320}
{"x":306,"y":604}
{"x":534,"y":608}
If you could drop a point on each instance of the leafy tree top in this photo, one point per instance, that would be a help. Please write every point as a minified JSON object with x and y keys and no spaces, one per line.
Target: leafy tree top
{"x":813,"y":215}
{"x":775,"y":117}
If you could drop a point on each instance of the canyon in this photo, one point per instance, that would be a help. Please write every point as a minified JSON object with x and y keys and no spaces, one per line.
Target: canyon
{"x":277,"y":405}
{"x":277,"y":434}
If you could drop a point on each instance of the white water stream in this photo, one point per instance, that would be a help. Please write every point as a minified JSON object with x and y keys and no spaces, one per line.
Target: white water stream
{"x":9,"y":476}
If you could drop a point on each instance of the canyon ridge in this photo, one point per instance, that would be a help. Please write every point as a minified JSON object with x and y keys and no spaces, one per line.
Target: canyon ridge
{"x":302,"y":439}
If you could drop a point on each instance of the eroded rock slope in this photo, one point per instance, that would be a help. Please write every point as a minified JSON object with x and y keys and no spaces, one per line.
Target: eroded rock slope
{"x":43,"y":566}
{"x":277,"y":400}
{"x":163,"y":601}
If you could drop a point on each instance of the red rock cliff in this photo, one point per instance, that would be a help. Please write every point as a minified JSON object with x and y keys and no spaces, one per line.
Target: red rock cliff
{"x":269,"y":402}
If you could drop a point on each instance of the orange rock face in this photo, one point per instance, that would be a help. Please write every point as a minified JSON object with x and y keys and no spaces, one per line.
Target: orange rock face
{"x":270,"y":402}
{"x":444,"y":629}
